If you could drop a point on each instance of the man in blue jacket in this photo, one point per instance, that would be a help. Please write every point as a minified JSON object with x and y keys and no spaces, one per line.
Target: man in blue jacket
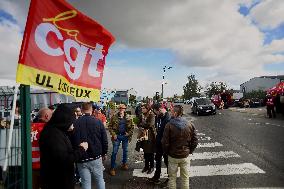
{"x":92,"y":130}
{"x":162,"y":118}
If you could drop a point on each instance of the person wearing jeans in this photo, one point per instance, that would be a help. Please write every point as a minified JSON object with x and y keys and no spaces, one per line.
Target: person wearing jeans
{"x":116,"y":143}
{"x":179,"y":140}
{"x":88,"y":128}
{"x":86,"y":170}
{"x":121,"y":129}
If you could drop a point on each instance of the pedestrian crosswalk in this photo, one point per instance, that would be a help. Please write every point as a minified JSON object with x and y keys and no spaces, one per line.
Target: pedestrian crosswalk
{"x":207,"y":150}
{"x":210,"y":170}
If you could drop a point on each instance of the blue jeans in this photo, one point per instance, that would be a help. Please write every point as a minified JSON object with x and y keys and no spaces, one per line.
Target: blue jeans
{"x":116,"y":144}
{"x":93,"y":168}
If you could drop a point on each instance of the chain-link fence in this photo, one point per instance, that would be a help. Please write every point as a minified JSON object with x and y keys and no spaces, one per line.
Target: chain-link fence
{"x":10,"y":164}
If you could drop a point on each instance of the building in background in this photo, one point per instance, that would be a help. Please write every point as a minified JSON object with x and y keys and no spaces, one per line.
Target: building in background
{"x":122,"y":96}
{"x":262,"y":83}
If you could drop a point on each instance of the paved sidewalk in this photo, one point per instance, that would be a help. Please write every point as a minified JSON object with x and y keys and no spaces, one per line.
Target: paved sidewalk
{"x":256,"y":111}
{"x":260,"y":112}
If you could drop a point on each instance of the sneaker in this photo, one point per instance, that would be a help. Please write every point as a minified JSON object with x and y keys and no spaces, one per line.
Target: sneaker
{"x":124,"y":166}
{"x":151,"y":170}
{"x":112,"y":172}
{"x":78,"y":181}
{"x":145,"y":169}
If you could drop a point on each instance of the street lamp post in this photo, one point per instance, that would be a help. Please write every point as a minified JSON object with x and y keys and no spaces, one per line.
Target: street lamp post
{"x":164,"y":71}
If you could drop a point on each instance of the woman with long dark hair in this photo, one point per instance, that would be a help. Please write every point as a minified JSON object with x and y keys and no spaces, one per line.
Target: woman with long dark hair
{"x":147,"y":127}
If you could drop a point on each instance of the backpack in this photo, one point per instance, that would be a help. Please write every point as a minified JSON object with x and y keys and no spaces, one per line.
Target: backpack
{"x":194,"y":140}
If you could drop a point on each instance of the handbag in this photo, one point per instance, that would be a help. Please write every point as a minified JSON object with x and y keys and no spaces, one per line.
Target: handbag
{"x":142,"y":134}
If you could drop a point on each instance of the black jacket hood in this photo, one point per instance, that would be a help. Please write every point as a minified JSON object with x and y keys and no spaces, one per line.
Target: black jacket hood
{"x":62,"y":118}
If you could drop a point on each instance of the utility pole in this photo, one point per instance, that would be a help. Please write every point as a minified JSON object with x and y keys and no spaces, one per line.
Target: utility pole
{"x":164,"y":71}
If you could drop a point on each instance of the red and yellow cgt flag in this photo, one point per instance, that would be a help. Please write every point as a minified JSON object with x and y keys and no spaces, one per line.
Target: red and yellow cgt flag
{"x":63,"y":50}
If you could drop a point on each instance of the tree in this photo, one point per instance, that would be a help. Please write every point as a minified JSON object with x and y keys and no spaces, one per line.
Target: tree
{"x":255,"y":94}
{"x":191,"y":88}
{"x":215,"y":88}
{"x":132,"y":99}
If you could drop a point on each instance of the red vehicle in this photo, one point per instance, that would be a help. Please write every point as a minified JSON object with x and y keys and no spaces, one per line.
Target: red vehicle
{"x":225,"y":96}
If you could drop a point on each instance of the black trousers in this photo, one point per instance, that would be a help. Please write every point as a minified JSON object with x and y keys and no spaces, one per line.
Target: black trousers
{"x":158,"y":158}
{"x":270,"y":111}
{"x":149,"y":160}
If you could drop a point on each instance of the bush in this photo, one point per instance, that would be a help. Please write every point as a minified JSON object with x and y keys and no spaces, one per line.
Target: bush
{"x":135,"y":120}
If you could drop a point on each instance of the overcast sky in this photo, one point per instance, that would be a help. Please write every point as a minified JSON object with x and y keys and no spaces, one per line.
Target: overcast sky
{"x":216,"y":40}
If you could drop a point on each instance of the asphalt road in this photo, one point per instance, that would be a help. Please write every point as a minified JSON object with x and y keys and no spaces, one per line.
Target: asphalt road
{"x":236,"y":150}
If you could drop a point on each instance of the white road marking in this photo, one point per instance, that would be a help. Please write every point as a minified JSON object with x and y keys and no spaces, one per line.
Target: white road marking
{"x":213,"y":155}
{"x":210,"y":170}
{"x":209,"y":145}
{"x":205,"y":138}
{"x":200,"y":134}
{"x":229,"y":169}
{"x":137,"y":161}
{"x":262,"y":188}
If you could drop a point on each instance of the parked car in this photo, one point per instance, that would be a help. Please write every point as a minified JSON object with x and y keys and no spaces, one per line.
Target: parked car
{"x":255,"y":102}
{"x":203,"y":106}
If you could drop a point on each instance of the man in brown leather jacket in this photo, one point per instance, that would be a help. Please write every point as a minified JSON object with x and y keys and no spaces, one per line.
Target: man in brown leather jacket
{"x":179,"y":140}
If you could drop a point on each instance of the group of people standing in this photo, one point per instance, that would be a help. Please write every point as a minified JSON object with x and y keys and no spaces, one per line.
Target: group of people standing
{"x":169,"y":136}
{"x":66,"y":137}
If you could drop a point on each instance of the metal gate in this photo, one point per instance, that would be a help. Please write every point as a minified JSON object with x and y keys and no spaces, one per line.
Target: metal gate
{"x":15,"y":166}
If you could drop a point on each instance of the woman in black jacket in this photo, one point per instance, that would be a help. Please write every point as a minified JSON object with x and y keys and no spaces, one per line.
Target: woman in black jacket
{"x":57,"y":156}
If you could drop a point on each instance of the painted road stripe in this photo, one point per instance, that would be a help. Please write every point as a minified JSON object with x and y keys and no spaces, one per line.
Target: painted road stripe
{"x":213,"y":155}
{"x":210,"y":170}
{"x":205,"y":138}
{"x":209,"y":145}
{"x":200,"y":134}
{"x":262,"y":188}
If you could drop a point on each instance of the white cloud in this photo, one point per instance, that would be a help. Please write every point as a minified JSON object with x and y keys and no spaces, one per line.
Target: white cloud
{"x":10,"y":38}
{"x":268,"y":14}
{"x":209,"y":36}
{"x":126,"y":78}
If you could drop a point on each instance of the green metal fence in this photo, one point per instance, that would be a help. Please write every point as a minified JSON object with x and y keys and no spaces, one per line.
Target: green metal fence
{"x":16,"y":167}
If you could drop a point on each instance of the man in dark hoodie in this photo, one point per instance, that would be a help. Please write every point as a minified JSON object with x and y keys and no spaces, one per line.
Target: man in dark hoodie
{"x":57,"y":157}
{"x":162,"y":118}
{"x":179,"y":140}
